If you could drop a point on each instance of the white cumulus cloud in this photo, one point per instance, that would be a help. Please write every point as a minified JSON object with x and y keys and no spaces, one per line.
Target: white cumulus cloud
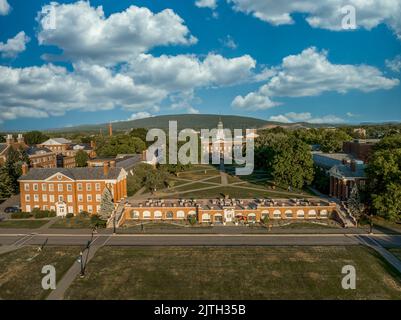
{"x":325,"y":14}
{"x":305,"y":117}
{"x":140,"y":115}
{"x":50,"y":90}
{"x":14,"y":46}
{"x":310,"y":73}
{"x":185,"y":72}
{"x":394,"y":64}
{"x":4,"y":7}
{"x":85,"y":33}
{"x":212,"y":4}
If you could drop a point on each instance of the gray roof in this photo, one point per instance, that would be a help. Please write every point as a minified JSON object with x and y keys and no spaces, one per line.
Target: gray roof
{"x":31,"y":151}
{"x":328,"y":160}
{"x":130,"y":162}
{"x":344,"y":171}
{"x":94,"y":173}
{"x":58,"y":140}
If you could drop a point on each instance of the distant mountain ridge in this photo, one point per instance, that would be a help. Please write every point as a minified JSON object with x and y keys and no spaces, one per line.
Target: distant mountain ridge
{"x":193,"y":121}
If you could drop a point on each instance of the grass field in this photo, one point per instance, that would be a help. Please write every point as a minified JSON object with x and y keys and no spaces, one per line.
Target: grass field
{"x":396,"y":252}
{"x":22,"y":224}
{"x":72,"y":223}
{"x":20,"y":275}
{"x":235,"y":273}
{"x":308,"y":225}
{"x":388,"y":226}
{"x":233,"y":192}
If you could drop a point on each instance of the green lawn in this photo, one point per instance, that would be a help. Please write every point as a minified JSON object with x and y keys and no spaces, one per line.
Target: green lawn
{"x":72,"y":223}
{"x":192,"y":186}
{"x":235,"y":273}
{"x":22,"y":224}
{"x":233,"y":192}
{"x":307,"y":225}
{"x":386,"y":225}
{"x":20,"y":275}
{"x":396,"y":252}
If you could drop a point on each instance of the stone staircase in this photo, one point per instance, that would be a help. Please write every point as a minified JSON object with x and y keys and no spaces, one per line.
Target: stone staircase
{"x":345,"y":216}
{"x":117,"y":216}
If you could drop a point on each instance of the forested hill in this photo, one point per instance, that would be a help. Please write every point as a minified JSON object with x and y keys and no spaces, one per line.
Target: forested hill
{"x":193,"y":121}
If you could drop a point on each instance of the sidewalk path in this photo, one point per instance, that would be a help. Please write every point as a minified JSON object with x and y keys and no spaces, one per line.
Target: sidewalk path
{"x":387,"y":255}
{"x":75,"y":270}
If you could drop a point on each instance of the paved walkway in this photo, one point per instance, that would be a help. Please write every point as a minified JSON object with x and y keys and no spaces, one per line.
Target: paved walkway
{"x":75,"y":270}
{"x":46,"y":226}
{"x":387,"y":255}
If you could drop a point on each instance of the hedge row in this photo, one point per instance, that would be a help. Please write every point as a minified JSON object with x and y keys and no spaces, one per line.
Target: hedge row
{"x":36,"y":213}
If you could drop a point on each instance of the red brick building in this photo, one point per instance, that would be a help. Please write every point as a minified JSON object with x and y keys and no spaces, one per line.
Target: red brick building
{"x":344,"y":177}
{"x":66,"y":150}
{"x":39,"y":157}
{"x":360,"y":149}
{"x":70,"y":190}
{"x":221,"y":211}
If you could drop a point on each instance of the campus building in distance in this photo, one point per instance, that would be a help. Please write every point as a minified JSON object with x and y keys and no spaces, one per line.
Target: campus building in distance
{"x":66,"y":150}
{"x":70,"y":190}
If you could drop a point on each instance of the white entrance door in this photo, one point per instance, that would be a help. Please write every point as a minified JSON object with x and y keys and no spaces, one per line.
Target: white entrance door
{"x":61,"y":209}
{"x":228,"y":215}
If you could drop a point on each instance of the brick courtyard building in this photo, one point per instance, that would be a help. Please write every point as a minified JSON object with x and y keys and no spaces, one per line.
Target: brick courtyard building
{"x":221,"y":211}
{"x":70,"y":190}
{"x":39,"y":157}
{"x":360,"y":149}
{"x":66,"y":150}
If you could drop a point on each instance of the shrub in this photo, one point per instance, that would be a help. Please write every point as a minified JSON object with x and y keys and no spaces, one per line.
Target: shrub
{"x":84,"y":214}
{"x":21,"y":215}
{"x":69,"y":215}
{"x":96,"y":221}
{"x":40,"y":214}
{"x":192,"y":220}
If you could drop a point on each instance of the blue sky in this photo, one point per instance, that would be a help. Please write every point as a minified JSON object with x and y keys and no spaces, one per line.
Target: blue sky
{"x":233,"y":57}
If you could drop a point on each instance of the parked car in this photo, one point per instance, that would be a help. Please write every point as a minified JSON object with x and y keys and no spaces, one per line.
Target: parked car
{"x":11,"y":209}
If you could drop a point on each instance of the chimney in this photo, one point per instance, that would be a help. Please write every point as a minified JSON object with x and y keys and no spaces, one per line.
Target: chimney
{"x":112,"y":164}
{"x":20,"y":139}
{"x":353,"y":165}
{"x":9,"y":139}
{"x":24,"y":168}
{"x":105,"y":169}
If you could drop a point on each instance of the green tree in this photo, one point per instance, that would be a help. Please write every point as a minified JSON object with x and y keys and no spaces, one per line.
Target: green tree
{"x":139,"y":133}
{"x":7,"y":186}
{"x":35,"y":137}
{"x":384,"y":176}
{"x":81,"y":158}
{"x":355,"y":205}
{"x":321,"y":180}
{"x":332,"y":140}
{"x":292,"y":163}
{"x":11,"y":171}
{"x":119,"y":144}
{"x":156,"y":179}
{"x":106,"y":204}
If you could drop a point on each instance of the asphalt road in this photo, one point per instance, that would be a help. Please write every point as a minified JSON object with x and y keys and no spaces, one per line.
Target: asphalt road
{"x":196,"y":240}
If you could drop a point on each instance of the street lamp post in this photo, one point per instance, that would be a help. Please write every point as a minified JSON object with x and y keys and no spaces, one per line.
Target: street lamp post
{"x":82,"y":274}
{"x":371,"y":224}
